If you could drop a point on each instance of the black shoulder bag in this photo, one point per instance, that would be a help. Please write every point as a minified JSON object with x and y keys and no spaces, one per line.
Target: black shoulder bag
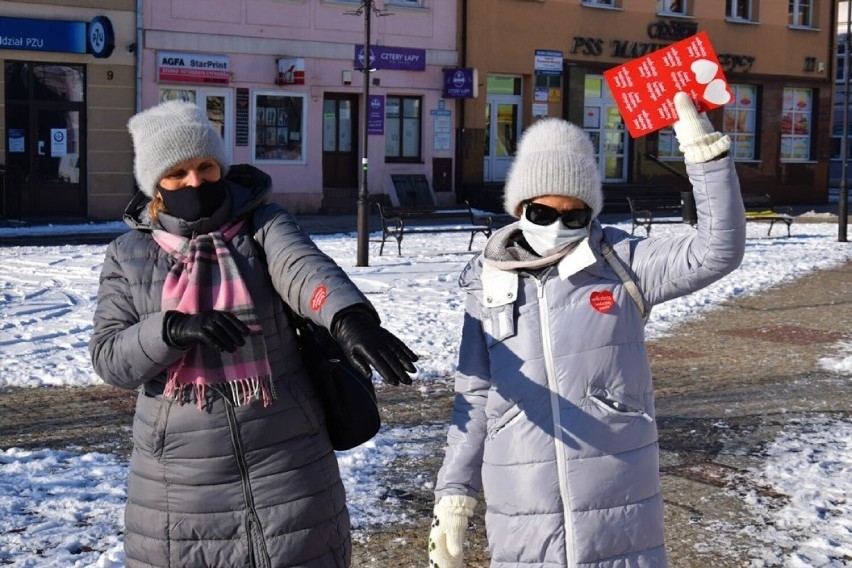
{"x":348,"y":398}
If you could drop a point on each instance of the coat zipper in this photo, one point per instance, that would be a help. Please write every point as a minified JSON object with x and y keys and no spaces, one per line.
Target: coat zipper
{"x":258,"y":559}
{"x":561,"y":463}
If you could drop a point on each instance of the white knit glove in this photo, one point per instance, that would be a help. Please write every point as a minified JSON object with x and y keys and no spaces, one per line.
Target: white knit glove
{"x":448,"y":527}
{"x":698,"y":140}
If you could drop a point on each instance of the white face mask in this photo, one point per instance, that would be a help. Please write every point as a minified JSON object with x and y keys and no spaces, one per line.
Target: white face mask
{"x":546,"y":240}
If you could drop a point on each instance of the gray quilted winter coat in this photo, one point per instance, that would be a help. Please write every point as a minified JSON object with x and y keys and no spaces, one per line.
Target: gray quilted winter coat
{"x":554,"y":414}
{"x":227,"y":487}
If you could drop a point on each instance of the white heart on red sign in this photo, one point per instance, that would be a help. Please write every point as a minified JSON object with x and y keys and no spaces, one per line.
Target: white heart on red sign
{"x":716,"y":92}
{"x":602,"y":301}
{"x":704,"y":70}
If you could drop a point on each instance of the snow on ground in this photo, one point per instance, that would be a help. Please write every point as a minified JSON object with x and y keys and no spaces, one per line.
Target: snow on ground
{"x":63,"y":508}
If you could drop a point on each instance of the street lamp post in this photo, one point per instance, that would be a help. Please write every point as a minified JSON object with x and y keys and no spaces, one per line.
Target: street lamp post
{"x":367,"y":9}
{"x":363,"y":224}
{"x":843,"y":193}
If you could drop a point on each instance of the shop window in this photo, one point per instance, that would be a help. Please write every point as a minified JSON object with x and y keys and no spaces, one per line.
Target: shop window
{"x":409,"y":3}
{"x":740,"y":122}
{"x":741,"y":10}
{"x":667,"y":145}
{"x":403,"y":127}
{"x":279,"y":128}
{"x":801,"y":13}
{"x":673,"y":7}
{"x":837,"y":143}
{"x":796,"y":121}
{"x":48,"y":82}
{"x":603,"y":124}
{"x":840,"y":67}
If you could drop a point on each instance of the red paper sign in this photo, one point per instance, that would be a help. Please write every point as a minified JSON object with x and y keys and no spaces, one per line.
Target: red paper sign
{"x":644,"y":88}
{"x":602,"y":301}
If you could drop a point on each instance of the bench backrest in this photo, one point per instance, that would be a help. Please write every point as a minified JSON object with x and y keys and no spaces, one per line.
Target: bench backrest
{"x":410,"y":190}
{"x":655,"y":203}
{"x":754,"y":201}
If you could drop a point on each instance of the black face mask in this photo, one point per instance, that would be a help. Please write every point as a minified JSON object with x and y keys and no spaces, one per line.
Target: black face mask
{"x":193,"y":203}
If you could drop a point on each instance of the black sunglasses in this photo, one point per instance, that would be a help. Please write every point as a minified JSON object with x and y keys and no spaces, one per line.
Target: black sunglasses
{"x":545,"y":215}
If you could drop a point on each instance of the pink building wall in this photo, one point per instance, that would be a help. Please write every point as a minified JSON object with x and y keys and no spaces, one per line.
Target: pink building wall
{"x":253,"y":34}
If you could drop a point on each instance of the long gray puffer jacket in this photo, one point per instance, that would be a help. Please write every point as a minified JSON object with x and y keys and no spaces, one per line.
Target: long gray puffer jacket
{"x":247,"y":486}
{"x":554,"y":414}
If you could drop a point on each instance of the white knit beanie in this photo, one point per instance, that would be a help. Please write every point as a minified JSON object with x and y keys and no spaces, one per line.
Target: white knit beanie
{"x":168,"y":134}
{"x":554,"y":157}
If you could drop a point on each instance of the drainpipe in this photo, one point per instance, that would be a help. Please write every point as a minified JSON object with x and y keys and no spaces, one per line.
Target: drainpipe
{"x":139,"y":47}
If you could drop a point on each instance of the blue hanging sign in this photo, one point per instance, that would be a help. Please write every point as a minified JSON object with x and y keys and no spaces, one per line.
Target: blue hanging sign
{"x":460,"y":83}
{"x":376,"y":115}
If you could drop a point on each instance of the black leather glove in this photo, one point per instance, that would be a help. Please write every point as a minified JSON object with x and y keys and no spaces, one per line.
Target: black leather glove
{"x":220,"y":330}
{"x":366,"y":343}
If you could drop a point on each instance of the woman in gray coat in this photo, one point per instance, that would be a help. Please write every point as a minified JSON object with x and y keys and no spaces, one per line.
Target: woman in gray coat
{"x":554,"y":411}
{"x":231,"y":464}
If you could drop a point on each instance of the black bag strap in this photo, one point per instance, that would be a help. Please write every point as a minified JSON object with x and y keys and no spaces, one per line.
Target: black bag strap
{"x":629,"y":283}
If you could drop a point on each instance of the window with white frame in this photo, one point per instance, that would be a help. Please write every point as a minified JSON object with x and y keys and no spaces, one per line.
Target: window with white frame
{"x":673,"y":7}
{"x":796,"y":122}
{"x":667,"y":145}
{"x":607,"y":3}
{"x":410,"y":3}
{"x":279,"y":127}
{"x":837,"y":142}
{"x":403,"y":128}
{"x":740,"y":122}
{"x":740,"y":10}
{"x":840,"y":68}
{"x":801,"y":13}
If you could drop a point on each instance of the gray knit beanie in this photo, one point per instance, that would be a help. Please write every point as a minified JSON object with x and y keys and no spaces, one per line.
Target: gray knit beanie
{"x":168,"y":134}
{"x":554,"y":157}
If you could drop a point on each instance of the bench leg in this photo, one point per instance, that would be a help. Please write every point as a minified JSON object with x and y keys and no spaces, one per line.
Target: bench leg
{"x":470,"y":244}
{"x":399,"y":245}
{"x":382,"y":247}
{"x":788,"y":227}
{"x":769,"y":232}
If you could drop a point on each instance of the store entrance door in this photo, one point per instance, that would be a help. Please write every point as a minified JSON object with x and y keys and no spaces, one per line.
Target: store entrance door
{"x":46,"y":134}
{"x":339,"y":150}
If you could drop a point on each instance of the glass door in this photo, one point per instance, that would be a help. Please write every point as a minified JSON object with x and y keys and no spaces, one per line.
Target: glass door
{"x":56,"y":163}
{"x":502,"y":126}
{"x":339,"y":125}
{"x":46,"y":144}
{"x":604,"y":125}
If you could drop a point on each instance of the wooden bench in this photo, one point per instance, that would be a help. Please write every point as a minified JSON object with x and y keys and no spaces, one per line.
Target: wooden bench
{"x":659,"y":209}
{"x":400,"y":221}
{"x":759,"y":208}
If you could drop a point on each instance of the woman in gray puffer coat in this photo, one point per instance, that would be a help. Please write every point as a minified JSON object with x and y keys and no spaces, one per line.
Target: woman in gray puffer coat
{"x":232,"y":465}
{"x":554,"y":412}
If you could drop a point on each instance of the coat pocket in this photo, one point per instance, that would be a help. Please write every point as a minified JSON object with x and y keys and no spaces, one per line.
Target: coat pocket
{"x":617,"y":404}
{"x":500,"y":424}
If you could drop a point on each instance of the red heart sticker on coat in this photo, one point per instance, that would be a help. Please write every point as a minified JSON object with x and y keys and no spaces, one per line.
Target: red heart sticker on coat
{"x":319,"y":296}
{"x":602,"y":301}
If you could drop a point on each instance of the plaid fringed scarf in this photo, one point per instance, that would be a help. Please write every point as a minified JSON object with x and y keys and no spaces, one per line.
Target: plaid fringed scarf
{"x":206,"y":277}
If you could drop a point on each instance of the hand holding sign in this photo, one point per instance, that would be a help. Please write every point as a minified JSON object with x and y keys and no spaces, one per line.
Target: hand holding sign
{"x":644,"y":88}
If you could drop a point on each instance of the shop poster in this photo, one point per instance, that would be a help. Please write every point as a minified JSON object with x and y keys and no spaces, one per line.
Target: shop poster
{"x":644,"y":88}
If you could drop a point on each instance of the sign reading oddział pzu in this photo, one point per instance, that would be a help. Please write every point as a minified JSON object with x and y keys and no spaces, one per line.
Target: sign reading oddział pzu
{"x":29,"y":34}
{"x":173,"y":67}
